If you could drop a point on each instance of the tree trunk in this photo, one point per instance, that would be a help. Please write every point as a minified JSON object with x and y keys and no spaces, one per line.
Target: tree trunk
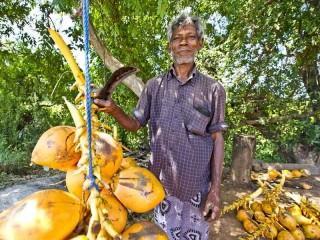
{"x":242,"y":158}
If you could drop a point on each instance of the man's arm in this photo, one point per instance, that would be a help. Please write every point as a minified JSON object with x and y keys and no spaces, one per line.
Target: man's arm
{"x":109,"y":107}
{"x":217,"y":161}
{"x":212,"y":206}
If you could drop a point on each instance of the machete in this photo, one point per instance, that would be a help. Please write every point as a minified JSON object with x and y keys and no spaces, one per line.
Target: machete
{"x":116,"y":77}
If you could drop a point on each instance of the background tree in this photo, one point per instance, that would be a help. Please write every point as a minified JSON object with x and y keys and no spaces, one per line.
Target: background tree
{"x":271,"y":54}
{"x":265,"y":52}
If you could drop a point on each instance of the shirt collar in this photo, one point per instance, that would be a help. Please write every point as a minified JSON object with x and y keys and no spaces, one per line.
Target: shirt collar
{"x":190,"y":79}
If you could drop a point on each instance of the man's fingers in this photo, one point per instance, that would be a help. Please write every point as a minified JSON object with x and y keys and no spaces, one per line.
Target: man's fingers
{"x":207,"y":208}
{"x":107,"y":106}
{"x":213,"y":216}
{"x":101,"y":102}
{"x":98,"y":101}
{"x":215,"y":213}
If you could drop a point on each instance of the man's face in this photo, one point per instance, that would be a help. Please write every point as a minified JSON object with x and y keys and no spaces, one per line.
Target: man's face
{"x":184,"y":44}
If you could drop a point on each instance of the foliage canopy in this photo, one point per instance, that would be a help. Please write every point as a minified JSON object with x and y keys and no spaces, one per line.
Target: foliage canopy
{"x":266,"y":54}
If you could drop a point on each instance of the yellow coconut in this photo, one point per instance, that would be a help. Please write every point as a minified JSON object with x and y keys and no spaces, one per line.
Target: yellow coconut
{"x":47,"y":214}
{"x":144,"y":231}
{"x":295,"y":210}
{"x":56,"y":149}
{"x":74,"y":183}
{"x":249,"y":226}
{"x":242,"y":215}
{"x":298,"y":234}
{"x":273,"y":174}
{"x":287,"y":174}
{"x":138,"y":189}
{"x":296,"y":173}
{"x":288,"y":221}
{"x":128,"y":162}
{"x":108,"y":155}
{"x":114,"y":211}
{"x":278,"y":226}
{"x":271,"y":232}
{"x":311,"y":231}
{"x":296,"y":213}
{"x":266,"y":207}
{"x":259,"y":216}
{"x":256,"y":206}
{"x":302,"y":220}
{"x":285,"y":235}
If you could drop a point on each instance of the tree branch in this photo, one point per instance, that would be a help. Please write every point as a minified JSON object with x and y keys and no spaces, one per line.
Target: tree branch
{"x":133,"y":82}
{"x":263,"y":121}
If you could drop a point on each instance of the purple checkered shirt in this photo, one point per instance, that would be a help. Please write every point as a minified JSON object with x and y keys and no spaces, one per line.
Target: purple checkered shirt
{"x":182,"y":116}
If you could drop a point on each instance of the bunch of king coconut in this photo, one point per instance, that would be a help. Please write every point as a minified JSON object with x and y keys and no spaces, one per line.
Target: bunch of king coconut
{"x":277,"y":223}
{"x":272,"y":213}
{"x":100,"y":194}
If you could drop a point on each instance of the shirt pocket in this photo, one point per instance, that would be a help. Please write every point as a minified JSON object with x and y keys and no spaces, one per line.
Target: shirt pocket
{"x":197,"y":122}
{"x":201,"y":105}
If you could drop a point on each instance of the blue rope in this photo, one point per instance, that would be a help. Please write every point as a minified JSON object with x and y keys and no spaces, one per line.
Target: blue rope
{"x":85,"y":14}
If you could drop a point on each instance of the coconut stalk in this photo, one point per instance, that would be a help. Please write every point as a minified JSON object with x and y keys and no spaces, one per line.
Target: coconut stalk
{"x":98,"y":223}
{"x":242,"y":202}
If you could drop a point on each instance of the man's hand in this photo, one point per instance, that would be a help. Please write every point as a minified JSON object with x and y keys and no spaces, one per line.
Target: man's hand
{"x":107,"y":106}
{"x":212,"y":207}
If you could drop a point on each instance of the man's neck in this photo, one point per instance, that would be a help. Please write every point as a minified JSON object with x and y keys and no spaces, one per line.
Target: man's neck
{"x":183,"y":71}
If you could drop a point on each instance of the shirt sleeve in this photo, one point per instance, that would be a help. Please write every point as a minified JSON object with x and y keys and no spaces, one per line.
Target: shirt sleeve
{"x":218,"y":102}
{"x":142,"y":110}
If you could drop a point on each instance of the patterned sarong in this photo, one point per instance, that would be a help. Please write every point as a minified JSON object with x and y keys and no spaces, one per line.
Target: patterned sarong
{"x":182,"y":220}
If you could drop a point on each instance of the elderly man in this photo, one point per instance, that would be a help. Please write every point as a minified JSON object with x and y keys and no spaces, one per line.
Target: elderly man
{"x":185,"y":110}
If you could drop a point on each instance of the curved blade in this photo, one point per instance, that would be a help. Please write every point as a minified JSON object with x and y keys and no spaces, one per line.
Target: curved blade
{"x":116,"y":77}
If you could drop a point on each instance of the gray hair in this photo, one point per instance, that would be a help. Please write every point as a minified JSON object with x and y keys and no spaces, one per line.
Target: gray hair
{"x":183,"y":19}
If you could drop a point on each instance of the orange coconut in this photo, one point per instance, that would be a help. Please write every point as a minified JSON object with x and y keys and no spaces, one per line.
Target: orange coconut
{"x":288,"y":221}
{"x":242,"y":215}
{"x":311,"y":231}
{"x":138,"y":189}
{"x":108,"y":155}
{"x":47,"y":214}
{"x":114,"y":211}
{"x":56,"y":149}
{"x":74,"y":183}
{"x":256,"y":206}
{"x":249,"y":226}
{"x":285,"y":235}
{"x":128,"y":162}
{"x":144,"y":231}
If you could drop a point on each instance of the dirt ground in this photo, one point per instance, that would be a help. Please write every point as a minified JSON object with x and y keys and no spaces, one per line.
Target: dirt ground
{"x":228,"y":227}
{"x":225,"y":228}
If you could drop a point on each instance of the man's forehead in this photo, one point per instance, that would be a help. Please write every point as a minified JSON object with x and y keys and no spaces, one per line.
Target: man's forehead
{"x":185,"y":27}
